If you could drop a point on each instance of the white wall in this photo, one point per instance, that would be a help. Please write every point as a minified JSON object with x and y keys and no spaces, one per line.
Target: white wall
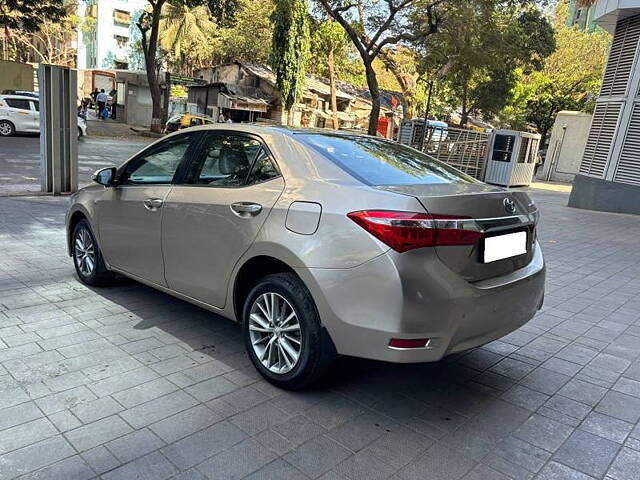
{"x":566,"y":146}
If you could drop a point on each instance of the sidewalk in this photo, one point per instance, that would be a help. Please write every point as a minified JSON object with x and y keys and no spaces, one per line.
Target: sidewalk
{"x":127,"y":382}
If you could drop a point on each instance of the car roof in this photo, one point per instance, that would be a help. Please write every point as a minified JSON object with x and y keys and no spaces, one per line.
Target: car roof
{"x":19,"y":97}
{"x":258,"y":128}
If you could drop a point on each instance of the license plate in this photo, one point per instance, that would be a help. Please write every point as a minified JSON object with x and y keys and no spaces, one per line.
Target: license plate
{"x":504,"y":246}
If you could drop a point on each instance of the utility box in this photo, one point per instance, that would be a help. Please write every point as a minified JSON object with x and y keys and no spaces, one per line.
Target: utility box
{"x":511,"y":159}
{"x":58,"y":129}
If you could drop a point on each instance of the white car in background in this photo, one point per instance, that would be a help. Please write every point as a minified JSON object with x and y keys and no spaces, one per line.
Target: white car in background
{"x":19,"y":113}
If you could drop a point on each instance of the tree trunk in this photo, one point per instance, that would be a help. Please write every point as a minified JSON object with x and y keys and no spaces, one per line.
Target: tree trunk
{"x":152,"y":74}
{"x":332,"y":87}
{"x":374,"y":90}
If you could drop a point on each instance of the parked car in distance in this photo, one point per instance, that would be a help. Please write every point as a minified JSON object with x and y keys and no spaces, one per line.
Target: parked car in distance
{"x":19,"y":113}
{"x":186,"y":120}
{"x":22,"y":93}
{"x":319,"y":243}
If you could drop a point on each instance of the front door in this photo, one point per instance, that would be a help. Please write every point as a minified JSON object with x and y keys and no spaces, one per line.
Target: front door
{"x":213,"y":217}
{"x":130,"y":214}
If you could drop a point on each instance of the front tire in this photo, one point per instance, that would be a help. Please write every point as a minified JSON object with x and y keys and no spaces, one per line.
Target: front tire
{"x":7,"y":128}
{"x":282,"y":332}
{"x":87,"y":257}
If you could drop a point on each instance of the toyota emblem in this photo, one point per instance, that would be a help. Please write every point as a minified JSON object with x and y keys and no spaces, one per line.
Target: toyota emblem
{"x":509,"y":205}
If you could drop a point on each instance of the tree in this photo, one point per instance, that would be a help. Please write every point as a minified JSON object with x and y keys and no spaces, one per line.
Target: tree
{"x":569,"y":80}
{"x":188,"y":35}
{"x":51,"y":43}
{"x":248,"y":37}
{"x":289,"y":49}
{"x":478,"y":47}
{"x":382,"y":25}
{"x":328,"y":42}
{"x":28,"y":15}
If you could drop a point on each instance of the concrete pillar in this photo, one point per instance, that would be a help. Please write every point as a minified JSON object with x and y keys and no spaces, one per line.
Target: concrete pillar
{"x":58,"y":129}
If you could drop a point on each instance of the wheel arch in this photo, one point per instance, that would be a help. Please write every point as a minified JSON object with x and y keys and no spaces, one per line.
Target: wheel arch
{"x":13,"y":125}
{"x":249,"y":273}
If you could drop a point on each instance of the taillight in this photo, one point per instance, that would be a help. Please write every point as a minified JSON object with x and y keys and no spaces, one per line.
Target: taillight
{"x":405,"y":231}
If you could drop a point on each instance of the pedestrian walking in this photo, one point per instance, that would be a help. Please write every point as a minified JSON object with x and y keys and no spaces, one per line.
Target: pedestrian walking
{"x":114,"y":103}
{"x":101,"y":99}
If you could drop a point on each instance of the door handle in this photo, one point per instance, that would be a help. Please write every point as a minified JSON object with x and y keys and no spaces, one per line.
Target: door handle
{"x":246,"y":209}
{"x":152,"y":204}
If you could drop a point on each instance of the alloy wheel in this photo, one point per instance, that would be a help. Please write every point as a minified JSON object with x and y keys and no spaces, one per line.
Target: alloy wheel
{"x":275,"y":333}
{"x":84,"y":252}
{"x":5,"y":129}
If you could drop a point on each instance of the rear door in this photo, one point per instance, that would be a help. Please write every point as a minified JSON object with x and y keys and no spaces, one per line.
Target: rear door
{"x":20,"y":114}
{"x":214,"y":213}
{"x":35,"y":114}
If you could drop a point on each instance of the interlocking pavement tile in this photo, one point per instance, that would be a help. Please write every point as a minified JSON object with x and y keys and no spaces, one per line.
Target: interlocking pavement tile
{"x":100,"y":459}
{"x":626,"y":466}
{"x":365,"y":466}
{"x":155,"y":410}
{"x":22,"y":413}
{"x":97,"y":433}
{"x":621,"y":406}
{"x":277,"y":470}
{"x":557,"y":471}
{"x":185,"y":423}
{"x":483,"y":472}
{"x":196,"y":448}
{"x":151,"y":467}
{"x":607,"y":427}
{"x":524,"y":397}
{"x":587,"y":453}
{"x":583,"y":392}
{"x":438,"y":463}
{"x":34,"y":456}
{"x":238,"y":461}
{"x":72,"y":468}
{"x":259,"y":418}
{"x":26,"y":434}
{"x":543,"y":432}
{"x":544,"y":381}
{"x":134,"y":445}
{"x":317,"y":456}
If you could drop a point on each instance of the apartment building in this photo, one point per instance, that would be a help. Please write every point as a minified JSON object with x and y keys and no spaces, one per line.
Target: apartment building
{"x":104,"y":34}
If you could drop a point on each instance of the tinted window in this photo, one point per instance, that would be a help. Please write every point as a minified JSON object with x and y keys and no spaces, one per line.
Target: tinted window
{"x":225,"y":160}
{"x":264,"y":169}
{"x":18,"y":103}
{"x":37,"y":106}
{"x":159,"y":164}
{"x":381,"y":162}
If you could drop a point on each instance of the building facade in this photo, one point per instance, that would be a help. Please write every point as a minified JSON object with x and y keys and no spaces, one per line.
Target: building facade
{"x":582,"y":17}
{"x":104,"y":35}
{"x":609,"y":175}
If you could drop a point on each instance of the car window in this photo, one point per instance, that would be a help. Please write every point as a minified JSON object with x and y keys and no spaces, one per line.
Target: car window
{"x":159,"y":164}
{"x":224,"y":161}
{"x":381,"y":162}
{"x":36,"y":106}
{"x":18,"y":103}
{"x":264,"y":169}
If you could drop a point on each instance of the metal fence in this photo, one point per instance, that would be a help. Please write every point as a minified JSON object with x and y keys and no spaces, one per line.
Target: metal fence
{"x":465,"y":150}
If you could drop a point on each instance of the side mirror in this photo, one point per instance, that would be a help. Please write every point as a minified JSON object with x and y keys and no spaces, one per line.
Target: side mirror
{"x":105,"y":176}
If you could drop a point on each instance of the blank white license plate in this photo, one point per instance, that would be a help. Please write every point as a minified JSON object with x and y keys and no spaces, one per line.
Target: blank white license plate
{"x":504,"y":246}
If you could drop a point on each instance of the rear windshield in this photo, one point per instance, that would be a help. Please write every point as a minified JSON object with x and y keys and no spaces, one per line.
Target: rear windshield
{"x":375,"y":161}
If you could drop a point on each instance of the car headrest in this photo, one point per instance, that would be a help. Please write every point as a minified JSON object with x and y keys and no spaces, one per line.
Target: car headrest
{"x":232,"y":161}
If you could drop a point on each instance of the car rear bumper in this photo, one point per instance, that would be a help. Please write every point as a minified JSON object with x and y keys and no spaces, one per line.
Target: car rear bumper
{"x":417,"y":296}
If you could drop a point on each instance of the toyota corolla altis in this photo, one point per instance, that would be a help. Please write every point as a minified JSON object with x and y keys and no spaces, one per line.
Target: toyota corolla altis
{"x":319,"y":243}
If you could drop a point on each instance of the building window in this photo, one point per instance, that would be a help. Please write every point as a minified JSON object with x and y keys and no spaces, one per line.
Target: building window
{"x":121,"y":41}
{"x":121,"y":17}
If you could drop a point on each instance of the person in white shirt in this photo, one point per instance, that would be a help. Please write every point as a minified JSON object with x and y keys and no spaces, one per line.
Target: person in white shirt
{"x":101,"y":99}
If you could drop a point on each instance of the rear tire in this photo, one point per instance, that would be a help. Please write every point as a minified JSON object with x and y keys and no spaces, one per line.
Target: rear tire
{"x":7,"y":128}
{"x":293,"y":330}
{"x":87,"y":257}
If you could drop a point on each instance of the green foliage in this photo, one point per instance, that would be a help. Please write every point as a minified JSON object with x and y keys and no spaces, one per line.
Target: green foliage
{"x":28,"y":15}
{"x":479,"y":45}
{"x":569,"y":80}
{"x":289,"y":48}
{"x":248,"y":37}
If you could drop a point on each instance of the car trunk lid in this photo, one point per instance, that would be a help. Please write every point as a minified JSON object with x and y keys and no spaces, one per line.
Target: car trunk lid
{"x":496,"y":212}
